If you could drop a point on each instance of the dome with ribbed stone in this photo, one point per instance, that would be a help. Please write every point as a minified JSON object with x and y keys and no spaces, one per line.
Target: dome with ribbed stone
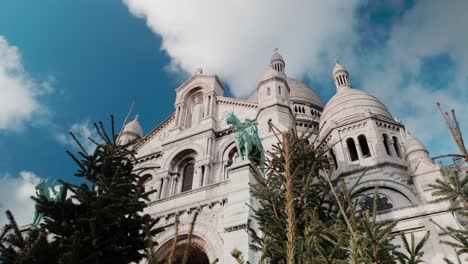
{"x":301,"y":93}
{"x":349,"y":104}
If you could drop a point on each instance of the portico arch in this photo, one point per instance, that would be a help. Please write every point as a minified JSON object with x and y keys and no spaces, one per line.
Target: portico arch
{"x":204,"y":239}
{"x":196,"y":252}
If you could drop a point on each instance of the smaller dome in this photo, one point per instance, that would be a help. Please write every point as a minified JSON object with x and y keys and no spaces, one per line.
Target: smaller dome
{"x":276,"y":56}
{"x":301,"y":93}
{"x":415,"y":149}
{"x":134,"y":128}
{"x":349,"y":105}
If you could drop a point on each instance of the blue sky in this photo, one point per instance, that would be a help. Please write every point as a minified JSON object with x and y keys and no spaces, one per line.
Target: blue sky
{"x":66,"y":64}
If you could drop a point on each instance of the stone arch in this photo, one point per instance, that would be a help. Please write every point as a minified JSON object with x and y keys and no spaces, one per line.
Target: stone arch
{"x":206,"y":238}
{"x":197,"y":254}
{"x":395,"y":187}
{"x":228,"y":156}
{"x":194,"y":88}
{"x":192,"y":146}
{"x":147,"y":177}
{"x":194,"y":106}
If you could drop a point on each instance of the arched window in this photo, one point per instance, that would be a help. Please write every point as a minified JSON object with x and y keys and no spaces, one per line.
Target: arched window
{"x":279,"y":89}
{"x":187,"y":179}
{"x":352,"y":149}
{"x":385,"y":142}
{"x":396,"y":145}
{"x":333,"y":156}
{"x":145,"y":179}
{"x":269,"y":124}
{"x":268,"y":91}
{"x":295,"y":108}
{"x":364,"y":146}
{"x":303,"y":110}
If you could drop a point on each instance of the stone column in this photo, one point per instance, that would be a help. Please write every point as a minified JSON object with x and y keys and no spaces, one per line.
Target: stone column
{"x":212,"y":104}
{"x":164,"y":187}
{"x":206,"y":106}
{"x":157,"y":184}
{"x":170,"y":185}
{"x":197,"y":177}
{"x":391,"y":148}
{"x":181,"y":116}
{"x":207,"y":175}
{"x":178,"y":180}
{"x":174,"y":185}
{"x":237,"y":213}
{"x":358,"y":149}
{"x":222,"y":170}
{"x":177,"y":116}
{"x":208,"y":146}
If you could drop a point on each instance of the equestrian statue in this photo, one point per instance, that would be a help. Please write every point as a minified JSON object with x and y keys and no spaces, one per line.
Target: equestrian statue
{"x":43,"y":191}
{"x":248,"y":143}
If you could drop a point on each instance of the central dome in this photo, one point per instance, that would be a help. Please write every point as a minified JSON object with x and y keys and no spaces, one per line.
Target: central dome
{"x":301,"y":93}
{"x":351,"y":105}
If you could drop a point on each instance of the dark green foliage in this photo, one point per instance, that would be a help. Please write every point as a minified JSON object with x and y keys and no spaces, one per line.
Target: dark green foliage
{"x":455,"y":190}
{"x":102,"y":220}
{"x":18,"y":247}
{"x":329,"y":227}
{"x":413,"y":251}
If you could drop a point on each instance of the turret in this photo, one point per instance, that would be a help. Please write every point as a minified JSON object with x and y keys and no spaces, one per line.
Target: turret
{"x":273,"y":93}
{"x":131,"y":132}
{"x":340,"y":76}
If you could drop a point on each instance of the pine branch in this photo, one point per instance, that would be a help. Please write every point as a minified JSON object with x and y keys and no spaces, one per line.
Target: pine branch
{"x":189,"y":240}
{"x":289,"y":201}
{"x":174,"y":240}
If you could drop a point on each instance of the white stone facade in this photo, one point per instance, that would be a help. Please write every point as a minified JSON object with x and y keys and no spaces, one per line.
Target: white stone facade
{"x":196,"y":165}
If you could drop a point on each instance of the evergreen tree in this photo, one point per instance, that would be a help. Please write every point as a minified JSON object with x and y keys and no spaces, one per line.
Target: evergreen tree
{"x":102,"y":221}
{"x":413,"y":250}
{"x":304,"y":216}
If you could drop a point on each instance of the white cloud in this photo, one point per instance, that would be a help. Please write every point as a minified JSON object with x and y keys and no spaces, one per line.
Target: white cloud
{"x":15,"y":193}
{"x":429,"y":29}
{"x":235,"y":39}
{"x":82,"y":131}
{"x":19,"y":93}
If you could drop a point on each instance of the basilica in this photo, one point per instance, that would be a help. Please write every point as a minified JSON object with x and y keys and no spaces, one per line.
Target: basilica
{"x":197,"y":167}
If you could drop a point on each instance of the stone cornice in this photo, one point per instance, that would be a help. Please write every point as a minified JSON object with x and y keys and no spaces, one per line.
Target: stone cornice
{"x":151,"y":156}
{"x":236,"y":102}
{"x":203,"y":77}
{"x":155,"y":131}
